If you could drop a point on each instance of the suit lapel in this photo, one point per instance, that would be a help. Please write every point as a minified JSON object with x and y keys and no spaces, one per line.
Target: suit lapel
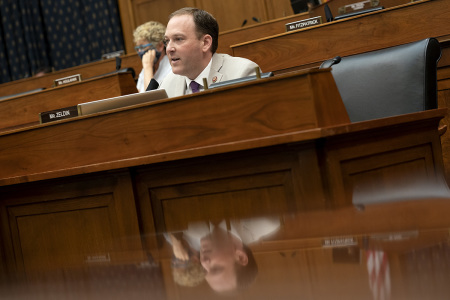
{"x":180,"y":86}
{"x":216,"y":65}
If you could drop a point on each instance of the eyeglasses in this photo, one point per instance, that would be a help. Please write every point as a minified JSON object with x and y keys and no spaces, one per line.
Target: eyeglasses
{"x":142,"y":47}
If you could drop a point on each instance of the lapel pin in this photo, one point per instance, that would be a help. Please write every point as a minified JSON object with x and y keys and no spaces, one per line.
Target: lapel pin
{"x":214,"y":79}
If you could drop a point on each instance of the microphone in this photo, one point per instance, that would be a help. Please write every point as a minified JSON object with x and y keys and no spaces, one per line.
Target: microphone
{"x":328,"y":14}
{"x":118,"y":63}
{"x":331,"y":62}
{"x":243,"y":23}
{"x":256,"y":19}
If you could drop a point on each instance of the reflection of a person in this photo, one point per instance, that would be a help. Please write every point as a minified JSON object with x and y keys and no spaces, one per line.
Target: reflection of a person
{"x":186,"y":267}
{"x":224,"y":253}
{"x":148,"y":38}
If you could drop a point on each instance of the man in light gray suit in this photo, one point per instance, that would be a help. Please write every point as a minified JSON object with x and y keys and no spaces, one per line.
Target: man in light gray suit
{"x":191,"y":41}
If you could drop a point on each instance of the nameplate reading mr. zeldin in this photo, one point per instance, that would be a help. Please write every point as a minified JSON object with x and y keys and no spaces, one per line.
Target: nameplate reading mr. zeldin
{"x":304,"y":23}
{"x":58,"y":114}
{"x":68,"y":79}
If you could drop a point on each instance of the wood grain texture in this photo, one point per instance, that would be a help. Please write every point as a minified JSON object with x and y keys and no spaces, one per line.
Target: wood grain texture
{"x":70,"y":223}
{"x":24,"y":110}
{"x":275,"y":26}
{"x":240,"y":113}
{"x":378,"y":30}
{"x":334,"y":6}
{"x":86,"y":71}
{"x":285,"y":170}
{"x":390,"y":163}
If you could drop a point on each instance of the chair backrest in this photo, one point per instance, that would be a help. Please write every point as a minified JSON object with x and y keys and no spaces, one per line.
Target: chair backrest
{"x":388,"y":82}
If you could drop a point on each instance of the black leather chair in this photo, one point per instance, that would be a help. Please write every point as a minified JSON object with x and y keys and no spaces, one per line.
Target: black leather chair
{"x":388,"y":82}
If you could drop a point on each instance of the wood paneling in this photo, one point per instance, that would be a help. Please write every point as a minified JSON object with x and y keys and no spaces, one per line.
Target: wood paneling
{"x":157,"y":10}
{"x":229,"y":116}
{"x":231,"y":14}
{"x":334,"y":6}
{"x":86,"y":71}
{"x":274,"y":145}
{"x":70,"y":223}
{"x":309,"y":273}
{"x":387,"y":28}
{"x":412,"y":175}
{"x":282,"y":144}
{"x":24,"y":110}
{"x":128,"y":22}
{"x":381,"y":167}
{"x":391,"y":27}
{"x":296,"y":261}
{"x":254,"y":31}
{"x":278,"y":9}
{"x":444,"y":101}
{"x":231,"y":186}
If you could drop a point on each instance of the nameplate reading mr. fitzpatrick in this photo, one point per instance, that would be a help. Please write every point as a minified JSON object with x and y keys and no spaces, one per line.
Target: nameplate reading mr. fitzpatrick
{"x":304,"y":23}
{"x":68,"y":79}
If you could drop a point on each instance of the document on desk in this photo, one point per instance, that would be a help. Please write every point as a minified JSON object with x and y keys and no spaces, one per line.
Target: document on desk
{"x":88,"y":108}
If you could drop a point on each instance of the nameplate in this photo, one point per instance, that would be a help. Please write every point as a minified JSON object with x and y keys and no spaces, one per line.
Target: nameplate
{"x":68,"y":79}
{"x":303,"y":23}
{"x":87,"y":108}
{"x":357,"y":6}
{"x":339,"y":242}
{"x":101,"y":258}
{"x":396,"y":236}
{"x":58,"y":114}
{"x":112,"y":54}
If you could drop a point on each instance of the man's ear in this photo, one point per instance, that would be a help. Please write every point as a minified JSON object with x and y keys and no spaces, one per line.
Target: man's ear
{"x":207,"y":42}
{"x":241,"y":257}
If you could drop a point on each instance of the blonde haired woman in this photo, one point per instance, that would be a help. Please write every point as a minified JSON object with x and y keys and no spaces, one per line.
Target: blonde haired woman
{"x":148,"y":39}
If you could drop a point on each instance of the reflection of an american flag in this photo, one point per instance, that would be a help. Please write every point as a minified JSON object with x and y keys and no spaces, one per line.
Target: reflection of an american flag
{"x":379,"y":278}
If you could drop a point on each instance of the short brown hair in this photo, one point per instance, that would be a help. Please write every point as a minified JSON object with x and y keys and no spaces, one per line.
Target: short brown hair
{"x":204,"y":22}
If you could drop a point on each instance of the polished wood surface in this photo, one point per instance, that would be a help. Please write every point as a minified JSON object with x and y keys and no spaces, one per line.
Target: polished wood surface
{"x":243,"y":185}
{"x":295,"y":261}
{"x":443,"y":96}
{"x":271,"y":16}
{"x":228,"y":116}
{"x":58,"y":225}
{"x":24,"y":110}
{"x":346,"y":6}
{"x":252,"y":32}
{"x":97,"y":192}
{"x":85,"y":201}
{"x":86,"y":71}
{"x":73,"y":147}
{"x":390,"y":27}
{"x":388,"y":163}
